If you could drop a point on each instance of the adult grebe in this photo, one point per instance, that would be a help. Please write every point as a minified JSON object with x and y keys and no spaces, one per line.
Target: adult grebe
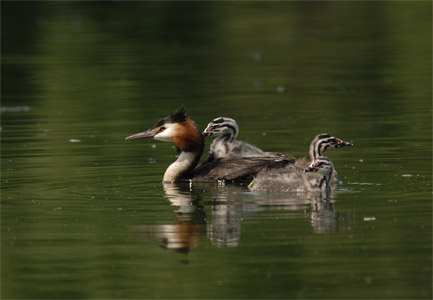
{"x":316,"y":177}
{"x":179,"y":129}
{"x":186,"y":137}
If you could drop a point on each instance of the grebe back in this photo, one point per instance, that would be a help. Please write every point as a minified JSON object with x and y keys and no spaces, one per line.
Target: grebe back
{"x":294,"y":179}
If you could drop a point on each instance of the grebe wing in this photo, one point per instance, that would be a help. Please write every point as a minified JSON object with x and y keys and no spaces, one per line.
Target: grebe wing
{"x":248,"y":150}
{"x":289,"y":178}
{"x":210,"y":158}
{"x":237,"y":168}
{"x":302,"y":163}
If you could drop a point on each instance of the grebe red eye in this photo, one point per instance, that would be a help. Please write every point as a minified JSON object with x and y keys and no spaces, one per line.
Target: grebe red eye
{"x":162,"y":128}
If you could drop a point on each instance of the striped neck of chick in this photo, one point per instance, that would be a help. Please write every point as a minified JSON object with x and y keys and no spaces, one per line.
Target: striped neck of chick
{"x":323,"y":142}
{"x":224,"y":129}
{"x":322,"y":165}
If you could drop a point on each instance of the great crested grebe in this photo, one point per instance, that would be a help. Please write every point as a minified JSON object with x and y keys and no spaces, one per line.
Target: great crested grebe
{"x":225,"y":144}
{"x":316,"y":177}
{"x":179,"y":129}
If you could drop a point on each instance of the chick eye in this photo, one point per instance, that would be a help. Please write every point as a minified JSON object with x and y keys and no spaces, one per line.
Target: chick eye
{"x":162,"y":128}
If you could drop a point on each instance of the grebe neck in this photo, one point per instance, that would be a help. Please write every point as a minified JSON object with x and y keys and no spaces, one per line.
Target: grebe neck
{"x":325,"y":179}
{"x":182,"y":167}
{"x":315,"y":150}
{"x":227,"y":137}
{"x":318,"y":145}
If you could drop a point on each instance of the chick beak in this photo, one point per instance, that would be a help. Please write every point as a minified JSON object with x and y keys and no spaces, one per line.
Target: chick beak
{"x":207,"y":132}
{"x":309,"y":169}
{"x":142,"y":135}
{"x":341,"y":144}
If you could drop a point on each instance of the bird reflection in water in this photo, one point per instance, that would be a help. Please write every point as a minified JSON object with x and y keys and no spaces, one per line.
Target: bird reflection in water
{"x":229,"y":206}
{"x":223,"y":227}
{"x":183,"y":234}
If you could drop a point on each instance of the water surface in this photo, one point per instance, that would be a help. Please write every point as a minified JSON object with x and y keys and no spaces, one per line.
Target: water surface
{"x":84,"y":213}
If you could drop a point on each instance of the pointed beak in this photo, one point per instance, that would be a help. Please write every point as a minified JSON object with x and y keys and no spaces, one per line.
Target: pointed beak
{"x":341,"y":144}
{"x":207,"y":132}
{"x":148,"y":134}
{"x":310,"y":169}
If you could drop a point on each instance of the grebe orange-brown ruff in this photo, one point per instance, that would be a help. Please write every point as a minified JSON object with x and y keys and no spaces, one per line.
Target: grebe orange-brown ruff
{"x":316,"y":177}
{"x":179,"y":129}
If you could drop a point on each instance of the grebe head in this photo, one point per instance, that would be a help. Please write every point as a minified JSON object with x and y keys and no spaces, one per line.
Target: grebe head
{"x":323,"y":166}
{"x":323,"y":142}
{"x":177,"y":128}
{"x":222,"y":126}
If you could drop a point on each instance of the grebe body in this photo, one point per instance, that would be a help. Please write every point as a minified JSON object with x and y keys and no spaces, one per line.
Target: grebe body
{"x":179,"y":129}
{"x":293,"y":178}
{"x":316,"y":177}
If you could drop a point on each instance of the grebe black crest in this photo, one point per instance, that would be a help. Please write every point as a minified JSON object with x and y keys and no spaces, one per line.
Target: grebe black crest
{"x":179,"y":129}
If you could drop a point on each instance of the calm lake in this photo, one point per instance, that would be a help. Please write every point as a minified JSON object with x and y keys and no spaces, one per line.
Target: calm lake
{"x":84,"y":214}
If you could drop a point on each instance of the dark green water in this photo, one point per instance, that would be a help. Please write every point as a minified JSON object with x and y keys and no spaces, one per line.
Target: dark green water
{"x":84,"y":213}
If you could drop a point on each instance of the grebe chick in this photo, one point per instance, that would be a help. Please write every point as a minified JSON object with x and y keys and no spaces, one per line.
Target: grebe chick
{"x":320,"y":144}
{"x":179,"y":129}
{"x":316,"y":177}
{"x":225,"y":144}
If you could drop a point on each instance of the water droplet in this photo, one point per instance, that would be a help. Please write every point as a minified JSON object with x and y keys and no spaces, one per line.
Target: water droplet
{"x":257,"y":84}
{"x":256,"y":56}
{"x":280,"y":89}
